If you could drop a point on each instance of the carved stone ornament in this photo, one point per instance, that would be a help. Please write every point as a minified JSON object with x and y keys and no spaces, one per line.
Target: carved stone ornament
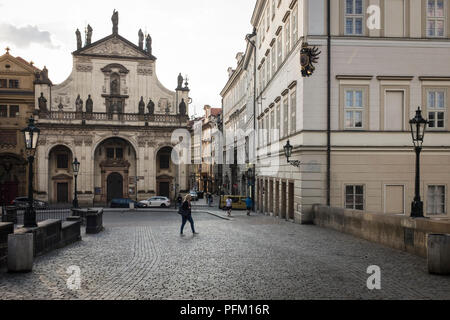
{"x":84,"y":67}
{"x":114,"y":47}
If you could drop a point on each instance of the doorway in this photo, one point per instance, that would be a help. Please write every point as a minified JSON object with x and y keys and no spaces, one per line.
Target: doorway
{"x":164,"y":189}
{"x":283,"y":200}
{"x":114,"y":186}
{"x":291,"y":201}
{"x":62,"y":192}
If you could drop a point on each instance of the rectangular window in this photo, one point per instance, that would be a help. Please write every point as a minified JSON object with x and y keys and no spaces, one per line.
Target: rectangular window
{"x":279,"y":49}
{"x":14,"y":84}
{"x":294,"y":26}
{"x":285,"y":117}
{"x":274,"y":60}
{"x":278,"y":115}
{"x":272,"y":127}
{"x":435,"y":18}
{"x":354,"y":109}
{"x":287,"y":38}
{"x":436,"y":200}
{"x":354,"y":197}
{"x":293,"y":112}
{"x":268,"y":68}
{"x":354,"y":17}
{"x":273,"y":9}
{"x":119,"y":153}
{"x":436,"y":106}
{"x":62,"y":161}
{"x":13,"y":111}
{"x":3,"y":83}
{"x":263,"y":74}
{"x":266,"y":137}
{"x":268,"y":17}
{"x":3,"y":111}
{"x":110,"y":153}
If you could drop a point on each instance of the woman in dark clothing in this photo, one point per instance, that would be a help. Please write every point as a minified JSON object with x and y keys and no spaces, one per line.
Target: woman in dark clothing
{"x":186,"y":214}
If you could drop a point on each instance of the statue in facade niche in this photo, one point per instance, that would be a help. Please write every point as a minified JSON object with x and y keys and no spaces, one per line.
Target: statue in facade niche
{"x":114,"y":87}
{"x":182,"y":107}
{"x":142,"y":106}
{"x":89,"y":105}
{"x":115,"y":21}
{"x":88,"y":35}
{"x":141,"y":39}
{"x":42,"y":102}
{"x":79,"y":104}
{"x":151,"y":107}
{"x":180,"y":81}
{"x":79,"y":43}
{"x":148,"y":44}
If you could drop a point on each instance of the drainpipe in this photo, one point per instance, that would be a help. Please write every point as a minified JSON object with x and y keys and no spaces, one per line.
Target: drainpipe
{"x":253,"y":44}
{"x":328,"y":103}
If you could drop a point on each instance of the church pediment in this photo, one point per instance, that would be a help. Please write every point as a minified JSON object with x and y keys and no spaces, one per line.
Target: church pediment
{"x":114,"y":46}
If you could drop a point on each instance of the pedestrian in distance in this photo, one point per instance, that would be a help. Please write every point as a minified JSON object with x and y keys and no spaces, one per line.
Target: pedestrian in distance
{"x":186,"y":214}
{"x":210,"y":201}
{"x":249,"y":205}
{"x":229,"y":206}
{"x":179,"y":201}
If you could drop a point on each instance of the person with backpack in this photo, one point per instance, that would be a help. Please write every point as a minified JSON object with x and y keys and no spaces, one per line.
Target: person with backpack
{"x":186,"y":214}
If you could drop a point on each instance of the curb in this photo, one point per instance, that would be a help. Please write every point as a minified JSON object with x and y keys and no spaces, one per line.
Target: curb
{"x":214,"y":214}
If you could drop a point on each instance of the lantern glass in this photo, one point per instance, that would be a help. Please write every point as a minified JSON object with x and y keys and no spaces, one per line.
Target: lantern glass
{"x":288,"y":150}
{"x":76,"y":166}
{"x":31,"y":135}
{"x":418,"y":127}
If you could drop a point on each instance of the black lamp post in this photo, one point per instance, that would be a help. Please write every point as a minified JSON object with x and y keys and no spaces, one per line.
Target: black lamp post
{"x":288,"y":153}
{"x":31,"y":137}
{"x":76,"y":169}
{"x":418,"y":127}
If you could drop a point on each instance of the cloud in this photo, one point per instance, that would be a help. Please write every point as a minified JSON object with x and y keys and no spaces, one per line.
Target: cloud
{"x":23,"y":37}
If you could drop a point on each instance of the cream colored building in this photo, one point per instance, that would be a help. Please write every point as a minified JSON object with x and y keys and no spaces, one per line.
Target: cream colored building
{"x":379,"y":75}
{"x":121,"y":131}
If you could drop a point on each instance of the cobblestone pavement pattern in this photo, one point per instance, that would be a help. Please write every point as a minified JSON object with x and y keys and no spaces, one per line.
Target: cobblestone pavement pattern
{"x":141,"y":256}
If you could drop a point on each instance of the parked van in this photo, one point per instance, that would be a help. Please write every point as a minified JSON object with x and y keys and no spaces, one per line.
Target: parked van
{"x":238,"y":202}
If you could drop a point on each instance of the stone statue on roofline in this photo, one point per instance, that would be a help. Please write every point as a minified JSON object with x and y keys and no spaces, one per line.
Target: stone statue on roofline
{"x":115,"y":21}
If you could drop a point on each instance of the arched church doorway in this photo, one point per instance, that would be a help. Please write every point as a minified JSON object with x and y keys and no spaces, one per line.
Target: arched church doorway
{"x":60,"y":175}
{"x":114,"y":186}
{"x":115,"y":167}
{"x":166,"y":174}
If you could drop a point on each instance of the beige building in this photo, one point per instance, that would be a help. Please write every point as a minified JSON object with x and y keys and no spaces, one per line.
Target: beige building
{"x":114,"y":115}
{"x":17,"y":78}
{"x":386,"y":59}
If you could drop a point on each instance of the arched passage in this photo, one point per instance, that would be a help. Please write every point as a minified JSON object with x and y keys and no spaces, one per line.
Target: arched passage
{"x":166,"y":173}
{"x":115,"y":167}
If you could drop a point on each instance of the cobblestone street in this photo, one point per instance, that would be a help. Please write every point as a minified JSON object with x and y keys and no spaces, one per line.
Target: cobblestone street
{"x":141,"y":256}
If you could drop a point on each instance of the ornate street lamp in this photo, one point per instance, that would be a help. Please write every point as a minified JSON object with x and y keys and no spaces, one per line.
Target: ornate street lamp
{"x":288,"y":153}
{"x":76,"y":169}
{"x":418,"y":127}
{"x":31,"y":137}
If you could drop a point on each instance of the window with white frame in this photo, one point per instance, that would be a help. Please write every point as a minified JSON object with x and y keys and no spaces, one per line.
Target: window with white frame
{"x":278,"y":115}
{"x":274,"y":60}
{"x":263,"y":26}
{"x":285,"y":116}
{"x":279,"y":49}
{"x":293,"y":112}
{"x":435,"y":18}
{"x":436,"y":107}
{"x":354,"y":17}
{"x":354,"y":197}
{"x":263,"y":74}
{"x":354,"y":108}
{"x":260,"y":133}
{"x":287,"y":38}
{"x":268,"y":17}
{"x":294,"y":26}
{"x":272,"y":127}
{"x":273,"y":9}
{"x":268,"y":68}
{"x":267,"y":126}
{"x":436,"y":200}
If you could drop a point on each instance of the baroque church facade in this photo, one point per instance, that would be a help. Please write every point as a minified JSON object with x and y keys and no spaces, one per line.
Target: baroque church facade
{"x":116,"y":118}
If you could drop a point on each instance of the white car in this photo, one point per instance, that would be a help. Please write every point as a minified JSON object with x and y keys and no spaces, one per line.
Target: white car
{"x":162,"y":202}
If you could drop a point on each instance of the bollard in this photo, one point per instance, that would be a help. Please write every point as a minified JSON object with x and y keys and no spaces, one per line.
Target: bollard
{"x":20,"y":252}
{"x":439,"y":254}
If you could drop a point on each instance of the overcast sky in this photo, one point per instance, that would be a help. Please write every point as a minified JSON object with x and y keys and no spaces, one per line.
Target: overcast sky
{"x":199,"y":38}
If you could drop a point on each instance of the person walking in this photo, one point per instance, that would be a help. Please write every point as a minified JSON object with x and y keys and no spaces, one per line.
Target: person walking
{"x":249,"y":205}
{"x":186,"y":214}
{"x":229,"y":206}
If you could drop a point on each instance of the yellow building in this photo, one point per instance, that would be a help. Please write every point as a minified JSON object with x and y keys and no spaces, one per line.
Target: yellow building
{"x":17,"y":78}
